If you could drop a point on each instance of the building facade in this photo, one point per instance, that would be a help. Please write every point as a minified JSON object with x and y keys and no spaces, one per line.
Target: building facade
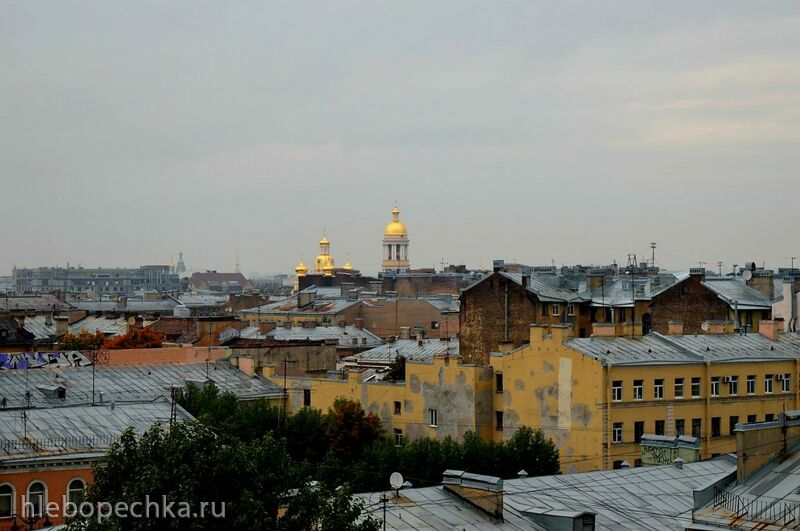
{"x":94,"y":280}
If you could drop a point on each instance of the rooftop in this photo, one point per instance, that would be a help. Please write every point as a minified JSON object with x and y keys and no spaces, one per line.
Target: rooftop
{"x":411,"y":349}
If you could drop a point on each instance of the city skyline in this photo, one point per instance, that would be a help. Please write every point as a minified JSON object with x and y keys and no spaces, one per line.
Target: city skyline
{"x":533,"y":133}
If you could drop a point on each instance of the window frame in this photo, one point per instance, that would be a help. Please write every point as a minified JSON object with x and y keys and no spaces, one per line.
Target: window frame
{"x":716,"y":427}
{"x":42,"y":498}
{"x":679,"y":383}
{"x":499,"y":385}
{"x":658,"y":389}
{"x":769,"y":379}
{"x":617,"y":432}
{"x":638,"y":389}
{"x":556,"y":309}
{"x":751,"y":379}
{"x":398,"y":437}
{"x":12,"y":501}
{"x":70,"y":490}
{"x":733,"y":386}
{"x":306,"y":397}
{"x":616,"y":391}
{"x":433,"y":417}
{"x":498,"y":419}
{"x":714,"y":385}
{"x":786,"y":383}
{"x":696,"y":382}
{"x":398,"y":407}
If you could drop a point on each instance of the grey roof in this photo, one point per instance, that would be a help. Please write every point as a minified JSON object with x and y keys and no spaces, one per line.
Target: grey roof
{"x":348,"y":336}
{"x":657,"y":497}
{"x":77,"y":428}
{"x":318,"y":306}
{"x":734,"y":290}
{"x":38,"y":303}
{"x":126,"y":382}
{"x":39,"y":328}
{"x":130,"y":306}
{"x":110,"y":326}
{"x":409,"y":348}
{"x":655,"y":348}
{"x":202,"y":300}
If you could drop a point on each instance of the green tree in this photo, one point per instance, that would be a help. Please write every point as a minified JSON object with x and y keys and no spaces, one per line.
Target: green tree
{"x":397,"y":370}
{"x":190,"y":463}
{"x":530,"y":450}
{"x":349,"y":429}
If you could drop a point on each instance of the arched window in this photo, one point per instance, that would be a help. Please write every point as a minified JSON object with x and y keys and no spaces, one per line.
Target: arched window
{"x":6,"y":501}
{"x":37,"y":499}
{"x":75,"y":490}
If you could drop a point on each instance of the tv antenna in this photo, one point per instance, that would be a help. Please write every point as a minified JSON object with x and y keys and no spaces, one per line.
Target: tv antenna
{"x":653,"y":253}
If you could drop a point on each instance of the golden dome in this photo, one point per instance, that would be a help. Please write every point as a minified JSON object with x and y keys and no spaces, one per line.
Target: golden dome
{"x":324,"y":240}
{"x":348,"y":266}
{"x":327,"y":269}
{"x":301,"y":269}
{"x":396,"y":228}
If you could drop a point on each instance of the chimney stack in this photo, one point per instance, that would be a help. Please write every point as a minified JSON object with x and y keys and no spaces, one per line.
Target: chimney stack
{"x":359,"y":322}
{"x":761,"y":281}
{"x":770,"y":329}
{"x":483,"y":492}
{"x":62,"y":326}
{"x":675,"y":328}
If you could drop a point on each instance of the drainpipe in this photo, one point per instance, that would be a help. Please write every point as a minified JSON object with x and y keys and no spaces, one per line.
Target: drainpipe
{"x":736,"y":316}
{"x":505,"y":316}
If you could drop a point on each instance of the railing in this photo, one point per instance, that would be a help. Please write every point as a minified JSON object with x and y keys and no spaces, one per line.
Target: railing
{"x":67,"y":443}
{"x":769,"y":511}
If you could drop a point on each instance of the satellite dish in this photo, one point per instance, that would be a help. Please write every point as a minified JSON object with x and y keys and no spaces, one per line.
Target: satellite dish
{"x":396,"y":480}
{"x":131,"y":320}
{"x":704,"y":326}
{"x":747,"y":275}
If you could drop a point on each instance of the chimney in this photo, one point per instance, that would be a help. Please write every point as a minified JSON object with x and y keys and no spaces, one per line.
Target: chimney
{"x":483,"y":492}
{"x":359,"y":322}
{"x":537,"y":332}
{"x":594,"y":279}
{"x":62,"y":326}
{"x":505,"y":346}
{"x":498,"y":265}
{"x":604,"y":329}
{"x":697,"y":272}
{"x":287,"y":325}
{"x":309,"y":324}
{"x":631,"y":329}
{"x":769,"y":329}
{"x":761,"y":281}
{"x":48,"y":319}
{"x":714,"y":327}
{"x":405,"y":332}
{"x":675,"y":328}
{"x":679,"y":463}
{"x":526,"y":280}
{"x":561,"y":332}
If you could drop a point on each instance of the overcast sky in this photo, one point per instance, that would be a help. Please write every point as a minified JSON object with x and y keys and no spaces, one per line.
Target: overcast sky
{"x":530,"y":131}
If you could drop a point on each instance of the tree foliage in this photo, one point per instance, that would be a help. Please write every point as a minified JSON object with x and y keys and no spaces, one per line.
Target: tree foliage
{"x":83,"y":340}
{"x":192,"y":464}
{"x":397,"y":370}
{"x":136,"y":338}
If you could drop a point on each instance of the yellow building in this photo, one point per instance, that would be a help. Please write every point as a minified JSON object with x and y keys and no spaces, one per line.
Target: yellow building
{"x":594,"y":396}
{"x":597,"y":396}
{"x":438,"y":399}
{"x":395,"y":245}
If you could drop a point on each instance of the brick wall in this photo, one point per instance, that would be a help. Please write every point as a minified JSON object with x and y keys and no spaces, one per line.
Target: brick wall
{"x":688,"y":301}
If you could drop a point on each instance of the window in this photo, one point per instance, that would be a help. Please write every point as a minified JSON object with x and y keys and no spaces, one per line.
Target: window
{"x":716,"y":426}
{"x":733,"y":385}
{"x":680,"y":427}
{"x":498,"y":417}
{"x":734,"y":420}
{"x":433,"y":416}
{"x":678,"y":387}
{"x":556,"y":309}
{"x":696,"y":426}
{"x":498,"y":383}
{"x":638,"y":431}
{"x":638,"y":389}
{"x":715,"y":386}
{"x":751,"y":419}
{"x":616,"y":435}
{"x":696,"y":387}
{"x":306,"y":397}
{"x":37,"y":498}
{"x":6,"y":501}
{"x":751,"y":384}
{"x":616,"y":390}
{"x":622,"y":315}
{"x":658,"y":389}
{"x":75,"y":490}
{"x":786,"y":382}
{"x":398,"y":437}
{"x":617,"y":464}
{"x":570,"y":309}
{"x":660,"y":427}
{"x":544,"y":308}
{"x":398,"y":407}
{"x":768,"y":383}
{"x":769,"y":417}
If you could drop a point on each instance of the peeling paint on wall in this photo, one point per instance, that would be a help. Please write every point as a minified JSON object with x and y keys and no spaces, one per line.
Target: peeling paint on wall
{"x":564,"y":393}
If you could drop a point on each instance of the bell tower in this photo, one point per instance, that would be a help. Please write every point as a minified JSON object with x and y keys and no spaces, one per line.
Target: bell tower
{"x":395,"y":245}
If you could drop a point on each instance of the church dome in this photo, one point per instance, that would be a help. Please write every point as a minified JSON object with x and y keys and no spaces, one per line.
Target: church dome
{"x":348,"y":266}
{"x":396,"y":228}
{"x":301,"y":269}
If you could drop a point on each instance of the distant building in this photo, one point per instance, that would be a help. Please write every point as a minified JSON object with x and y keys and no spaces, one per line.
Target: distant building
{"x":180,"y":267}
{"x":94,"y":280}
{"x":395,"y":245}
{"x":219,"y":282}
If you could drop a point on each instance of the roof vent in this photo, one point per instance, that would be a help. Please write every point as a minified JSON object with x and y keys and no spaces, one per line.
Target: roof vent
{"x":625,"y":464}
{"x":679,"y":463}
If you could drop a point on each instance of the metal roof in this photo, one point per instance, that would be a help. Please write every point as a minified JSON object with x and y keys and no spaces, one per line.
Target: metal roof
{"x":39,"y":303}
{"x":347,"y":336}
{"x":110,"y":326}
{"x":77,"y":428}
{"x":127,"y":382}
{"x":654,"y":348}
{"x":734,"y":290}
{"x":408,"y":348}
{"x":129,"y":306}
{"x":289,"y":307}
{"x":656,"y":497}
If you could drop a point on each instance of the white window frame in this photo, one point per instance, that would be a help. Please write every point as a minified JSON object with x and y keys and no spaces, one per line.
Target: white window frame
{"x":699,"y":389}
{"x":679,"y":383}
{"x":638,"y":390}
{"x":70,"y":490}
{"x":556,"y":311}
{"x":433,"y":417}
{"x":715,"y":381}
{"x":616,"y":432}
{"x":733,"y":386}
{"x":570,"y":309}
{"x":398,"y":437}
{"x":769,"y":385}
{"x":751,"y":384}
{"x":616,"y":391}
{"x":44,"y":498}
{"x":658,"y":389}
{"x":786,"y":383}
{"x":12,"y":505}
